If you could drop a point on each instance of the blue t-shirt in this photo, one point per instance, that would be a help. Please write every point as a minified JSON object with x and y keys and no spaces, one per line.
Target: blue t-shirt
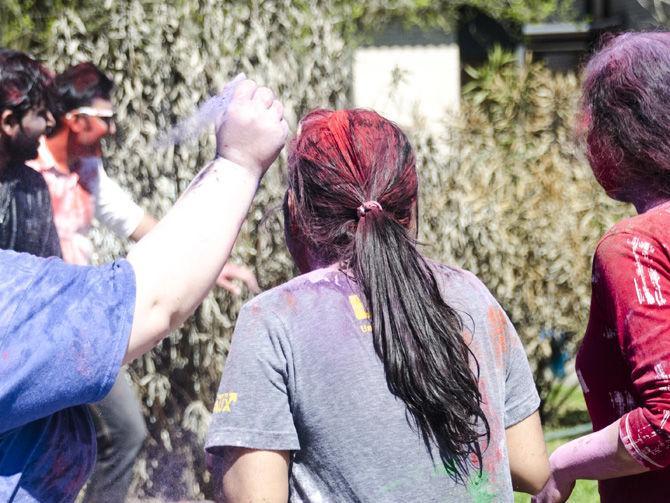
{"x":63,"y":334}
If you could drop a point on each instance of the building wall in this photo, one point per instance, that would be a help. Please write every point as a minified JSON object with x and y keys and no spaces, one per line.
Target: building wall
{"x":413,"y":85}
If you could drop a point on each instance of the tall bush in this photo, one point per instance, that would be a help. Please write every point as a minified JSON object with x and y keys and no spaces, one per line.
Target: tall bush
{"x":512,"y":198}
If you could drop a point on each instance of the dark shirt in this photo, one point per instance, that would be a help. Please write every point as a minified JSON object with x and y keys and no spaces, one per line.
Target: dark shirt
{"x":26,"y":216}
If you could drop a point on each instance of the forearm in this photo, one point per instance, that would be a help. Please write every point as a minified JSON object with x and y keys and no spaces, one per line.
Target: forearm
{"x":147,"y":223}
{"x":528,"y":461}
{"x":598,"y":456}
{"x":177,"y":263}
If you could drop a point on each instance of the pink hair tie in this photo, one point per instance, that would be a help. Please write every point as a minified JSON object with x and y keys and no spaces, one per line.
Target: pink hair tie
{"x":367,"y":206}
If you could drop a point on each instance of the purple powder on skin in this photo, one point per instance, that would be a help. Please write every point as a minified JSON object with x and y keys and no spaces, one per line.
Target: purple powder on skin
{"x":211,"y":112}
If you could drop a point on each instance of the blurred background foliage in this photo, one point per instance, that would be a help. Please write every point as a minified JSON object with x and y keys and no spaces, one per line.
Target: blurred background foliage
{"x":506,"y":191}
{"x":525,"y":212}
{"x":26,"y":24}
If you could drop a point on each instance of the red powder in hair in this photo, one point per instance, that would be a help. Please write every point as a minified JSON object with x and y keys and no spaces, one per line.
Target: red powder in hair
{"x":339,"y":161}
{"x":626,"y":94}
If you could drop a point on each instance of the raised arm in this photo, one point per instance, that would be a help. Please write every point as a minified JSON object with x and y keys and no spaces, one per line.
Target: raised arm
{"x":116,"y":210}
{"x":177,"y":263}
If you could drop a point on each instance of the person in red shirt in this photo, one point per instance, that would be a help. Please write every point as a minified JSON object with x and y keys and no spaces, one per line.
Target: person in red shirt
{"x":623,"y":363}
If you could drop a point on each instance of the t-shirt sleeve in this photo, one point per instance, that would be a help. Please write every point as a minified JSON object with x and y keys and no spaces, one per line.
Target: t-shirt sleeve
{"x":634,"y":279}
{"x":114,"y":208}
{"x":63,"y":333}
{"x":521,"y":397}
{"x":253,"y":403}
{"x":509,"y":357}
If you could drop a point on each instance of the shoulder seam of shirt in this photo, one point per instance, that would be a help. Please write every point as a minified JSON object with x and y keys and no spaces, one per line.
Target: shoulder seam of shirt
{"x":288,"y":340}
{"x":611,"y":234}
{"x":625,"y":232}
{"x":283,"y":325}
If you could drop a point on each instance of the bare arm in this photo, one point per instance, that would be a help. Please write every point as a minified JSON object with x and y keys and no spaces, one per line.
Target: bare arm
{"x":177,"y":263}
{"x":228,"y":275}
{"x":527,"y":452}
{"x":600,"y":455}
{"x":251,"y":476}
{"x":147,"y":223}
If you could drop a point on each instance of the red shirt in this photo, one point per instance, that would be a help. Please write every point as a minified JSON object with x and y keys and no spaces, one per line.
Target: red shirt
{"x":623,"y":363}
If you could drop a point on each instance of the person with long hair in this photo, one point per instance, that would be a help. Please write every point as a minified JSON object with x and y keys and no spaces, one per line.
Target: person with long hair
{"x":623,"y":363}
{"x":377,"y":375}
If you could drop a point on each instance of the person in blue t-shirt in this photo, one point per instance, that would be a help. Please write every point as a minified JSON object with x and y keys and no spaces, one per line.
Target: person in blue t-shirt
{"x":65,"y":330}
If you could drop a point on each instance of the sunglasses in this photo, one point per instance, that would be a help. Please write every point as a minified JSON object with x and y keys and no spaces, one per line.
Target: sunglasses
{"x":107,"y":116}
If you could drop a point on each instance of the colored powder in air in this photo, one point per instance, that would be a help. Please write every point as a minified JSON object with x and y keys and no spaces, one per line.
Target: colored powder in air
{"x":211,"y":112}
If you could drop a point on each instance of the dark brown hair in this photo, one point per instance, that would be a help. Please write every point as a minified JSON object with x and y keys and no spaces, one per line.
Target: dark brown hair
{"x":340,"y":161}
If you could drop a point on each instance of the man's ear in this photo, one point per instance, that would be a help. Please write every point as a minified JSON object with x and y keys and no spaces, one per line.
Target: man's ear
{"x":74,"y":123}
{"x":9,"y":123}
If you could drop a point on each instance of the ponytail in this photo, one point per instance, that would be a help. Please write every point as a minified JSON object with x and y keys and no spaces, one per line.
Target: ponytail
{"x":419,"y":339}
{"x":339,"y":159}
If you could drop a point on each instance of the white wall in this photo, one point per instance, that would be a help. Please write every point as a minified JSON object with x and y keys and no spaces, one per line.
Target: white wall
{"x":429,"y":84}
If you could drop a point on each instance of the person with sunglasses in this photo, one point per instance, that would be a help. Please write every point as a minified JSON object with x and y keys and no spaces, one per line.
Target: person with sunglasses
{"x":65,"y":330}
{"x":70,"y":159}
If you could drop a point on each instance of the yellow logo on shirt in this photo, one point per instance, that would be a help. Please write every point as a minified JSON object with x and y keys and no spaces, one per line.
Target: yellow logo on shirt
{"x":223,"y":402}
{"x":360,"y":313}
{"x":359,"y":309}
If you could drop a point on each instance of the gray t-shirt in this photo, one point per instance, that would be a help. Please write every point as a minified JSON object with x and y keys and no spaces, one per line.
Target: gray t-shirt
{"x":302,"y":375}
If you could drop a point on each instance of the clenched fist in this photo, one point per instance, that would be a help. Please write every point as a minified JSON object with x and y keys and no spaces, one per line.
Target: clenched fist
{"x":253,"y":131}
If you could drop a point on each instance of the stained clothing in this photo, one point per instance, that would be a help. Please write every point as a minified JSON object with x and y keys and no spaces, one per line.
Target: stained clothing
{"x":26,"y":218}
{"x":302,"y":375}
{"x":81,"y":195}
{"x":64,"y":330}
{"x":624,"y":360}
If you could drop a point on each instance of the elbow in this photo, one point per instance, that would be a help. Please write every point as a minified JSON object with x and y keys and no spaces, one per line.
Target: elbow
{"x":535,"y":486}
{"x":532,"y":483}
{"x":163,"y":319}
{"x":151,"y":324}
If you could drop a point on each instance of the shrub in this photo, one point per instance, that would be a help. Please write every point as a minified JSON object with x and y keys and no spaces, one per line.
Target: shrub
{"x":512,"y":199}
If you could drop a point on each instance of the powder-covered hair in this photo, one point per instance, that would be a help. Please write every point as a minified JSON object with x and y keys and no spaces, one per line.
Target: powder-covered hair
{"x":78,"y":86}
{"x":339,"y":161}
{"x":626,"y":105}
{"x":23,"y":82}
